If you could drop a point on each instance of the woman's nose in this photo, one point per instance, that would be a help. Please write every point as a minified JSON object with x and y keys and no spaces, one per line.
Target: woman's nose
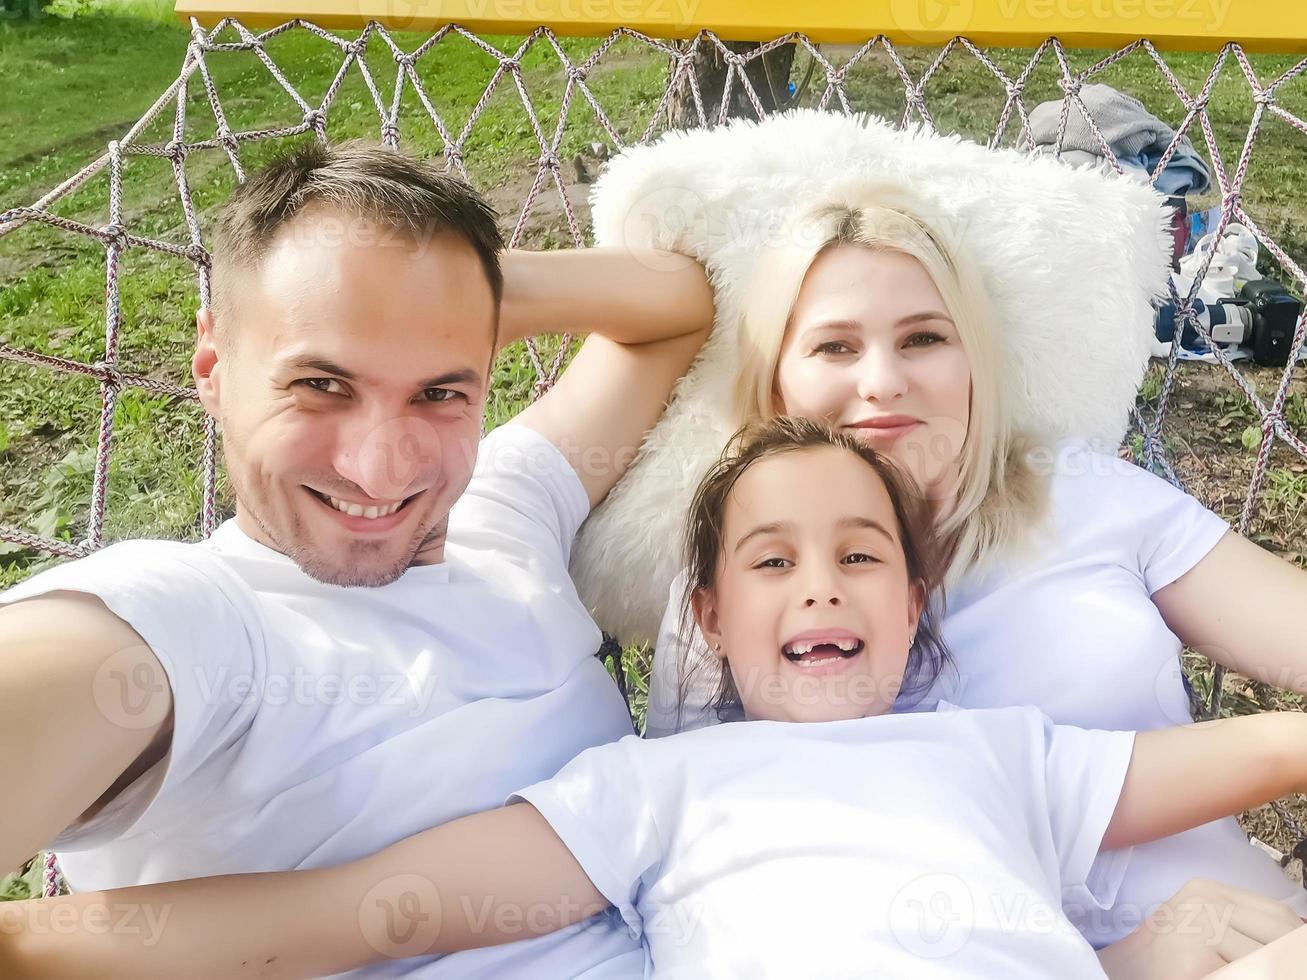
{"x":881,"y":376}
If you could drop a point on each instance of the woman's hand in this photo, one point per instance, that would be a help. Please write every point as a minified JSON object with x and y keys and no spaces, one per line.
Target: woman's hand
{"x":1204,"y":927}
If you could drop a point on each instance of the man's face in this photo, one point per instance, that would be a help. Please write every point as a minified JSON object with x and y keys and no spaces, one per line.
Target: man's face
{"x":350,"y":378}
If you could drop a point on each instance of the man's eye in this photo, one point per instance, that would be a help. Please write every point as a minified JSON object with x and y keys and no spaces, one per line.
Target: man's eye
{"x":323,"y":384}
{"x":439,"y":394}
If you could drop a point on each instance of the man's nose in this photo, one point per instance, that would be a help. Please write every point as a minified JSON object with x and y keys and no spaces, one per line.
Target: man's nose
{"x":385,"y":456}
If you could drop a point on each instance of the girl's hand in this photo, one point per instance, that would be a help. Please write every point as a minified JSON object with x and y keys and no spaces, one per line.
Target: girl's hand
{"x":1204,"y":927}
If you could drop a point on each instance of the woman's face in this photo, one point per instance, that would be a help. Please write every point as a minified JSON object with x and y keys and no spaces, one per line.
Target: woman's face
{"x":871,"y":349}
{"x":811,"y":603}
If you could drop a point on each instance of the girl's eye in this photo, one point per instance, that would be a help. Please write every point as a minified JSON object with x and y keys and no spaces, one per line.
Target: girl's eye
{"x":926,"y":339}
{"x":859,"y":558}
{"x":773,"y":563}
{"x":323,"y":385}
{"x":830,"y":348}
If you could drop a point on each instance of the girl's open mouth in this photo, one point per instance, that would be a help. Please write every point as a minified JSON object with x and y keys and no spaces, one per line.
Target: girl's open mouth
{"x":806,"y":654}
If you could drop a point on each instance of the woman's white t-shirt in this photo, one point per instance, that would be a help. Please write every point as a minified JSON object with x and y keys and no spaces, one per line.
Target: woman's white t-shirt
{"x":1072,"y":630}
{"x":942,"y":844}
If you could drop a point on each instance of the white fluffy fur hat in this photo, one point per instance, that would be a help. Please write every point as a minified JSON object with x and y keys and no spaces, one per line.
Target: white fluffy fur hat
{"x":1072,"y":259}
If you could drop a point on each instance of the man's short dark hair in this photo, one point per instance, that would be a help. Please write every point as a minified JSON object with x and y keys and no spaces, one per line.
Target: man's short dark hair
{"x":396,"y":190}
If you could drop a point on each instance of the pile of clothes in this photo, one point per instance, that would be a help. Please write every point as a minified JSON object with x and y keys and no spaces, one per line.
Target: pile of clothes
{"x":1136,"y":137}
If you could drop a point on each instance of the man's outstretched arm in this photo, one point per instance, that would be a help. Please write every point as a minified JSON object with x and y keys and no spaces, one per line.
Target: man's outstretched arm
{"x":69,"y":742}
{"x":647,"y":313}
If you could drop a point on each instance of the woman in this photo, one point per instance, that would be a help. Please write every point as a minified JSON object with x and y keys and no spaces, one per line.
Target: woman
{"x":1074,"y":577}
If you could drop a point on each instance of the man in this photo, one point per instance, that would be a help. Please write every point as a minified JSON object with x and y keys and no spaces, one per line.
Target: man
{"x":385,"y":636}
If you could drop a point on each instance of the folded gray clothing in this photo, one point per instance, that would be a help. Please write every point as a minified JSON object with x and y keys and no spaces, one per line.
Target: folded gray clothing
{"x":1131,"y":131}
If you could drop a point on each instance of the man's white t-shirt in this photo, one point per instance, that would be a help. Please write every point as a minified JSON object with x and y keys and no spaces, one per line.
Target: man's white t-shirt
{"x":316,"y":724}
{"x":940,"y":844}
{"x":1072,"y":630}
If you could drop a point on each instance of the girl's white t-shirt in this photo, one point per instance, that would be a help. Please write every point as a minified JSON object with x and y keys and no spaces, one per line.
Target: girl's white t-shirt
{"x":1071,"y":629}
{"x":942,"y":844}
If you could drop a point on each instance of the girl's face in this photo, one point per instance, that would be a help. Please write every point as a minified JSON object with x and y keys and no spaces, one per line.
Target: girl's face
{"x":811,"y":605}
{"x":871,"y":349}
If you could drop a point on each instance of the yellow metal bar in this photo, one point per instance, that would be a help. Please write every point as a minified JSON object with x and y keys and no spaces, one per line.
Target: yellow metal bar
{"x":1182,"y":25}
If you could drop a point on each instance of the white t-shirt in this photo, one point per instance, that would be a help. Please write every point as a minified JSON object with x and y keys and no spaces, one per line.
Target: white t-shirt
{"x":941,"y":844}
{"x":316,"y":724}
{"x":1072,"y":630}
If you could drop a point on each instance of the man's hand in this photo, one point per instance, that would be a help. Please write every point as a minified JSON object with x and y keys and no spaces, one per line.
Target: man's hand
{"x":1202,"y":928}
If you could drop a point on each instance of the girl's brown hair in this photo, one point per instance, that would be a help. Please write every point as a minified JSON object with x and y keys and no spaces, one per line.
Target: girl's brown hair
{"x":771,"y":437}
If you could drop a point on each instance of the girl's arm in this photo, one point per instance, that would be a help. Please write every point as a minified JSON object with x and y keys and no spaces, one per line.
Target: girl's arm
{"x":1192,"y":774}
{"x":484,"y":879}
{"x":629,"y":295}
{"x":1242,"y":607}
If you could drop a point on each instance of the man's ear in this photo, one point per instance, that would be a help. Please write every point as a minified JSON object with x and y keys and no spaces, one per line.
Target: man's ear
{"x":704,"y":602}
{"x":205,"y":364}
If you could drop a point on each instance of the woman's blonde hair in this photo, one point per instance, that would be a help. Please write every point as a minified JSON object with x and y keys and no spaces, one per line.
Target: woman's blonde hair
{"x":997,"y":497}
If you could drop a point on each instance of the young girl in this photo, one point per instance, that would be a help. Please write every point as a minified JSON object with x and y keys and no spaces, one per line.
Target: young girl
{"x":820,"y":836}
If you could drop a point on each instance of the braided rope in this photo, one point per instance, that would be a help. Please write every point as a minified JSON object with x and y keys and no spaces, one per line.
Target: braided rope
{"x":117,"y":237}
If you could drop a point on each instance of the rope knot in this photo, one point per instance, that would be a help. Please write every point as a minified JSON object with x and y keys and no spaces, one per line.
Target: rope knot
{"x":1071,"y":86}
{"x":198,"y":254}
{"x":175,"y":150}
{"x":512,"y":64}
{"x":734,"y":60}
{"x":403,"y":59}
{"x":1264,"y":97}
{"x":315,"y":119}
{"x":390,"y":133}
{"x":358,"y":47}
{"x":453,"y":154}
{"x":548,"y":158}
{"x":576,"y":74}
{"x":114,"y":234}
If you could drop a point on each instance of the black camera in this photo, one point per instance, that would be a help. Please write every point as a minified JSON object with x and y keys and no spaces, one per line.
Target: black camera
{"x":1263,"y":319}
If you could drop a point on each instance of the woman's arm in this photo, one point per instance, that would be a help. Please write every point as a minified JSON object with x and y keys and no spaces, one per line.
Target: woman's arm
{"x":629,"y":295}
{"x":1200,"y":929}
{"x":1189,"y":775}
{"x":482,"y":880}
{"x":1242,"y":607}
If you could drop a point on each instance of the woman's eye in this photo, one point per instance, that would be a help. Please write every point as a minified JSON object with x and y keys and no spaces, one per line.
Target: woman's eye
{"x":324,"y":385}
{"x":832,"y":347}
{"x":923,"y":340}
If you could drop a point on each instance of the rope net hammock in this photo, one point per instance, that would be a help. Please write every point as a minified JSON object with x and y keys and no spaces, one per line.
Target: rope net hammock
{"x":562,"y":100}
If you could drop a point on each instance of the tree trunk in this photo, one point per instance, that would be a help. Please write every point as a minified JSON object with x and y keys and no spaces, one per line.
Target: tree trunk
{"x":769,"y":75}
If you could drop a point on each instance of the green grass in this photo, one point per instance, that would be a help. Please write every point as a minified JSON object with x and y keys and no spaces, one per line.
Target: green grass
{"x":70,"y":84}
